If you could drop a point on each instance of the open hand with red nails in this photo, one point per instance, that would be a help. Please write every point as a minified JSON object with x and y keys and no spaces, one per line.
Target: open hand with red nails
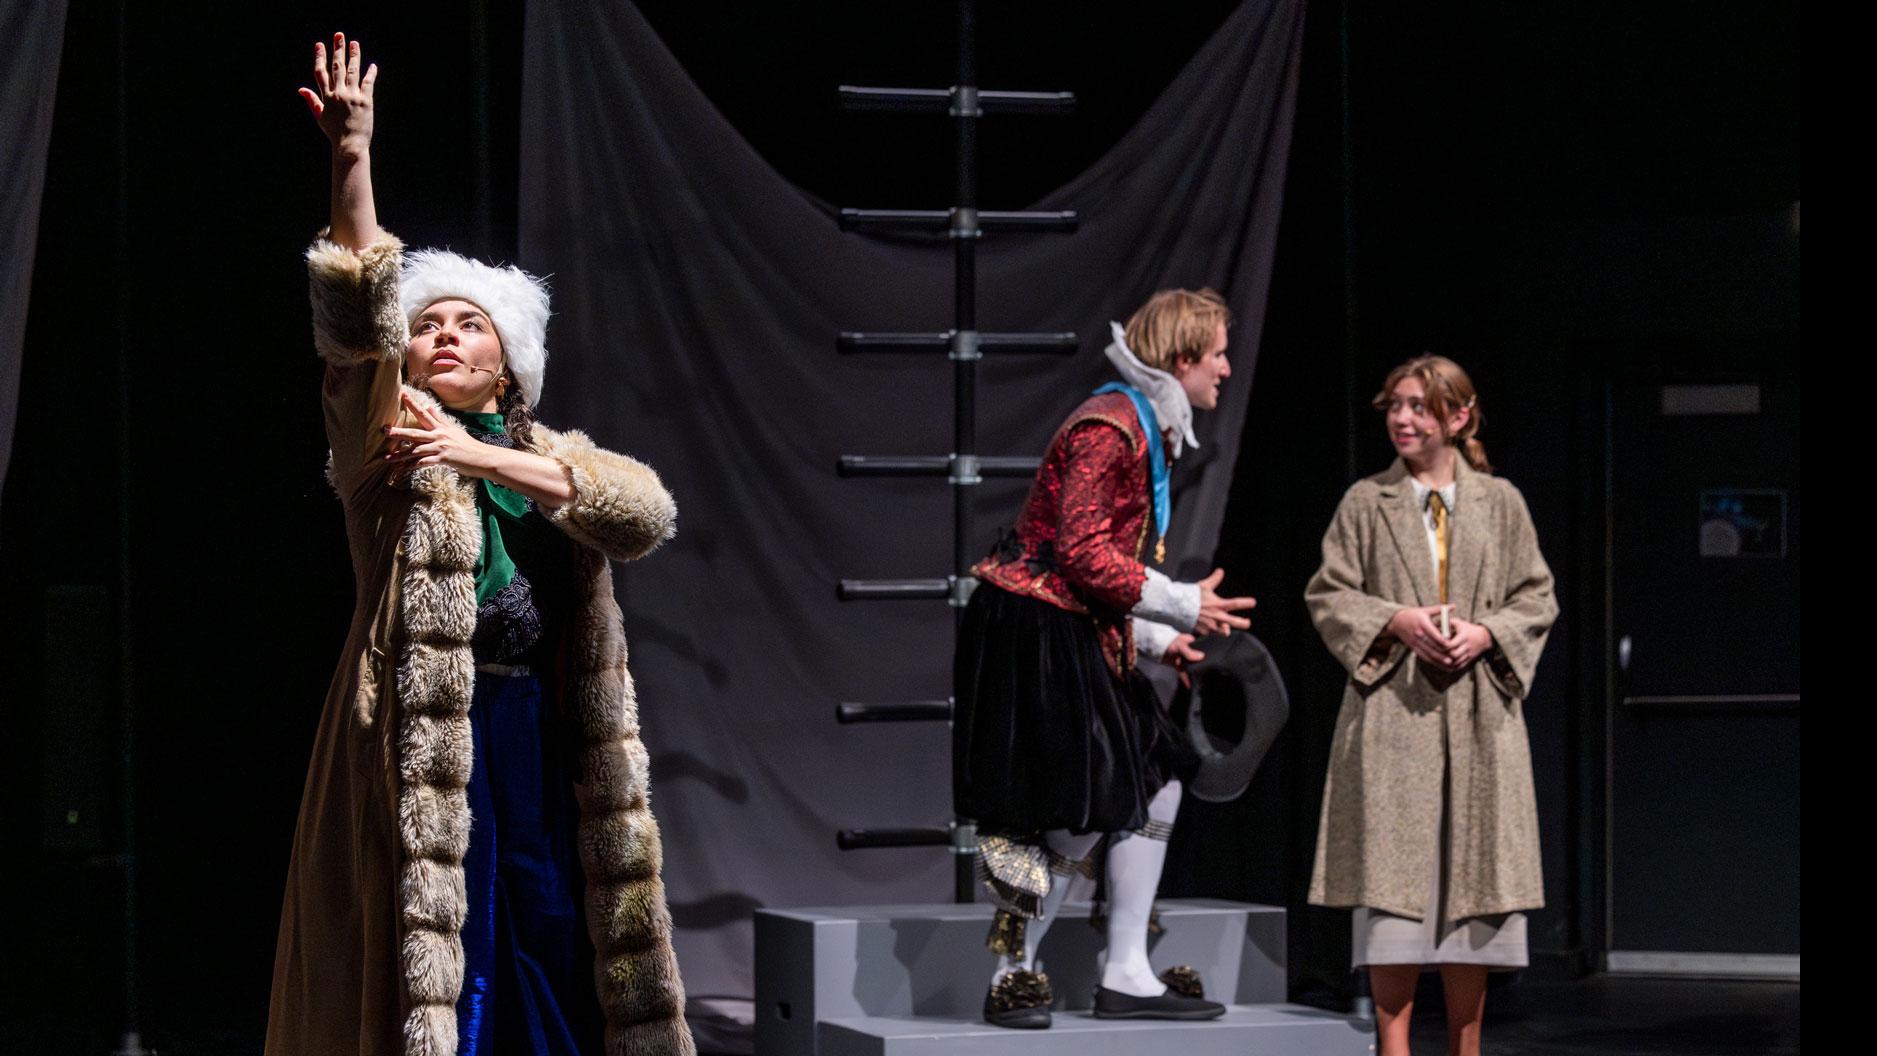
{"x":437,"y":440}
{"x":341,"y":102}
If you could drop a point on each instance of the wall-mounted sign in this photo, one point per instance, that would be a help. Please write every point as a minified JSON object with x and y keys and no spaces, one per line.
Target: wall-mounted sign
{"x":1743,"y":522}
{"x":1710,"y":399}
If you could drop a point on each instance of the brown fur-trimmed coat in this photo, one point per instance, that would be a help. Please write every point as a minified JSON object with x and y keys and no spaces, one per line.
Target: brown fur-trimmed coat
{"x":370,"y":957}
{"x":1404,"y":726}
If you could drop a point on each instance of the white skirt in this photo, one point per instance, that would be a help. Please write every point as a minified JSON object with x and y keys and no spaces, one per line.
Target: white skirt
{"x":1497,"y":941}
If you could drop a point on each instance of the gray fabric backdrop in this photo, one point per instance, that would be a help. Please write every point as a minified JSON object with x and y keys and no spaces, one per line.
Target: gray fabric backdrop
{"x":29,"y":79}
{"x":697,"y":295}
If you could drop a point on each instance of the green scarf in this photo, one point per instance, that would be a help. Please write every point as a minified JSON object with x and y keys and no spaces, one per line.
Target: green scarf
{"x":501,"y":507}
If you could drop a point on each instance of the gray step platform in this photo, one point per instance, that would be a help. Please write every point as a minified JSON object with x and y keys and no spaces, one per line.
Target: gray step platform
{"x":1244,"y":1030}
{"x":899,"y":974}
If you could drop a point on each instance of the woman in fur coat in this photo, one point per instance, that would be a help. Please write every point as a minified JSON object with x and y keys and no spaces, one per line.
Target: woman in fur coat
{"x":1434,"y":596}
{"x":476,"y":866}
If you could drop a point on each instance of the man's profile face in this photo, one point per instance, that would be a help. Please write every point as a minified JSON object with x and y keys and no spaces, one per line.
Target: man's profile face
{"x":1202,"y":378}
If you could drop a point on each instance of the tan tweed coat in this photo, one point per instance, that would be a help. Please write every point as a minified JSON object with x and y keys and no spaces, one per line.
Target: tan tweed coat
{"x":1405,"y":727}
{"x":369,"y":958}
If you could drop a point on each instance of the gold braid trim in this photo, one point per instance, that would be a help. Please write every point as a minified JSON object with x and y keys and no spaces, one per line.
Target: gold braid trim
{"x":1184,"y":980}
{"x":1006,"y":937}
{"x":1021,"y":989}
{"x":1137,"y":442}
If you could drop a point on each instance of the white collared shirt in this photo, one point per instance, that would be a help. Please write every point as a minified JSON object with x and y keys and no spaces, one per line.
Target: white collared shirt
{"x":1447,"y":495}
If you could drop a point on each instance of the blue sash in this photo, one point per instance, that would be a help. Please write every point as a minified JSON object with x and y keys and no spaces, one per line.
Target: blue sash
{"x":1156,"y":457}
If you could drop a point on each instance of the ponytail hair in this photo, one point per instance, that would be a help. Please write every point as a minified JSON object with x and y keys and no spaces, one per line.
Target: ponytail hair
{"x":1449,"y":391}
{"x":1475,"y":454}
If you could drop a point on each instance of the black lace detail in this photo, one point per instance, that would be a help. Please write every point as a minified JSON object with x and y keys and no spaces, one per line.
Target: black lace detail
{"x":1009,"y":548}
{"x":509,"y":625}
{"x":502,"y":440}
{"x":492,"y":439}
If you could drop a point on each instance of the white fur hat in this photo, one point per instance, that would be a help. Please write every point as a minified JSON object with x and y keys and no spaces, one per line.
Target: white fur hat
{"x":515,"y":300}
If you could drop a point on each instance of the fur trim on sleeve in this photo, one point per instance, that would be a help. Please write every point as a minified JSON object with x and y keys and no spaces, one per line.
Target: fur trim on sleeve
{"x":620,"y":507}
{"x":356,"y":315}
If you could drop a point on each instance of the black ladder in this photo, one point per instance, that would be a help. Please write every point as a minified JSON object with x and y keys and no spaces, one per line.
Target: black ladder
{"x":964,"y":345}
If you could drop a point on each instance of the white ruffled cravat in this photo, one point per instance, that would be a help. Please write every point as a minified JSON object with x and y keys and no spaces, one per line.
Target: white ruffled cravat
{"x":1163,"y":390}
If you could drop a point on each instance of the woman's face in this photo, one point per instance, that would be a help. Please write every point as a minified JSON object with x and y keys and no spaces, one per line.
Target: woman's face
{"x":1202,"y":377}
{"x":1412,"y":427}
{"x":455,"y":353}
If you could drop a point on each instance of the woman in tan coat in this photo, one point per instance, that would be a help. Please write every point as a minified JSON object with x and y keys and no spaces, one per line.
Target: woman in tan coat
{"x":1435,"y":598}
{"x":476,"y":866}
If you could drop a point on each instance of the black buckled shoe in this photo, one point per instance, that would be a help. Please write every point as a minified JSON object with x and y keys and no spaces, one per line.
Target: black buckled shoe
{"x":1020,"y":1001}
{"x":1184,"y":999}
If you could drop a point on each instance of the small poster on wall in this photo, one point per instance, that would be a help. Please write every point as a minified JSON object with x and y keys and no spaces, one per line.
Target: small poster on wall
{"x":1743,"y":522}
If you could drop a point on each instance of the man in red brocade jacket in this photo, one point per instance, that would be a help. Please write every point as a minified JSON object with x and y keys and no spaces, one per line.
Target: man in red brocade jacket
{"x":1057,"y":738}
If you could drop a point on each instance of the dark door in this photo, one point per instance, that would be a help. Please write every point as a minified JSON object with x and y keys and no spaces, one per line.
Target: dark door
{"x":1703,"y":852}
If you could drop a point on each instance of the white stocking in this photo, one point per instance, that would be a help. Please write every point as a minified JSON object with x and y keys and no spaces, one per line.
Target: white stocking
{"x":1071,"y":847}
{"x":1134,"y":864}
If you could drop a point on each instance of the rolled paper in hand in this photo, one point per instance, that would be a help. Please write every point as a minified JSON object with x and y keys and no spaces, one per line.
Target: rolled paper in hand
{"x":1446,"y":624}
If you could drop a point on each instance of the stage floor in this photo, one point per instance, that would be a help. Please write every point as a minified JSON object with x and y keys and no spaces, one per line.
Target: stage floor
{"x":1596,"y":1016}
{"x":1624,"y":1015}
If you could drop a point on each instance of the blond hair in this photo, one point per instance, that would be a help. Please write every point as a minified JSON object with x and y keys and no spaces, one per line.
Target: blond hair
{"x":1448,"y":390}
{"x":1176,"y":326}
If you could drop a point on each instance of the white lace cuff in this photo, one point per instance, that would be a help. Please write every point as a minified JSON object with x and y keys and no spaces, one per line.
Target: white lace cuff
{"x":1152,"y":639}
{"x":1164,"y":601}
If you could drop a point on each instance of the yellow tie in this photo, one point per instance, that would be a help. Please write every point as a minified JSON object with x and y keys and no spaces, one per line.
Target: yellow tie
{"x":1440,"y":538}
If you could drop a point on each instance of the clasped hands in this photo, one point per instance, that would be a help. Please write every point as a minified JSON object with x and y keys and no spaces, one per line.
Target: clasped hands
{"x":1419,"y":629}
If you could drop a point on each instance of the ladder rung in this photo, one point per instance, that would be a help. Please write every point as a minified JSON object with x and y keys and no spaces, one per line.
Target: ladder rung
{"x":894,"y":589}
{"x":1029,"y":220}
{"x":1061,"y":220}
{"x":932,"y":465}
{"x":899,"y":711}
{"x":939,"y":100}
{"x":863,"y":839}
{"x":1056,"y":344}
{"x":896,"y":219}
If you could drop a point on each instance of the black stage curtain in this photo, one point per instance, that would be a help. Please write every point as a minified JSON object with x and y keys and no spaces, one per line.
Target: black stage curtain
{"x":29,"y":80}
{"x":697,"y":296}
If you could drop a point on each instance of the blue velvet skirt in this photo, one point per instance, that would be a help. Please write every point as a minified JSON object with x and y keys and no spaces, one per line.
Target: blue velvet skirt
{"x":528,"y":985}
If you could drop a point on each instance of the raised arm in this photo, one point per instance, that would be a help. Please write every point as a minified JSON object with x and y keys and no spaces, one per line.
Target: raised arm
{"x":359,"y":328}
{"x":341,"y":104}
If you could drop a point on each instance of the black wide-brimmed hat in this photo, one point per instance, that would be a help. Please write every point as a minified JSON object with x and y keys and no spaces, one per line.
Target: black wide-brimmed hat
{"x":1233,"y":712}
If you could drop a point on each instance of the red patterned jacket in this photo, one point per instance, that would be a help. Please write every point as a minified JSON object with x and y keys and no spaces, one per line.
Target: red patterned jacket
{"x":1079,"y":540}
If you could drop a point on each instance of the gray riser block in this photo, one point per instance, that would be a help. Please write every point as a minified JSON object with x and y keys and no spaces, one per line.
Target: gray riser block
{"x":1264,"y":1030}
{"x":856,"y":962}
